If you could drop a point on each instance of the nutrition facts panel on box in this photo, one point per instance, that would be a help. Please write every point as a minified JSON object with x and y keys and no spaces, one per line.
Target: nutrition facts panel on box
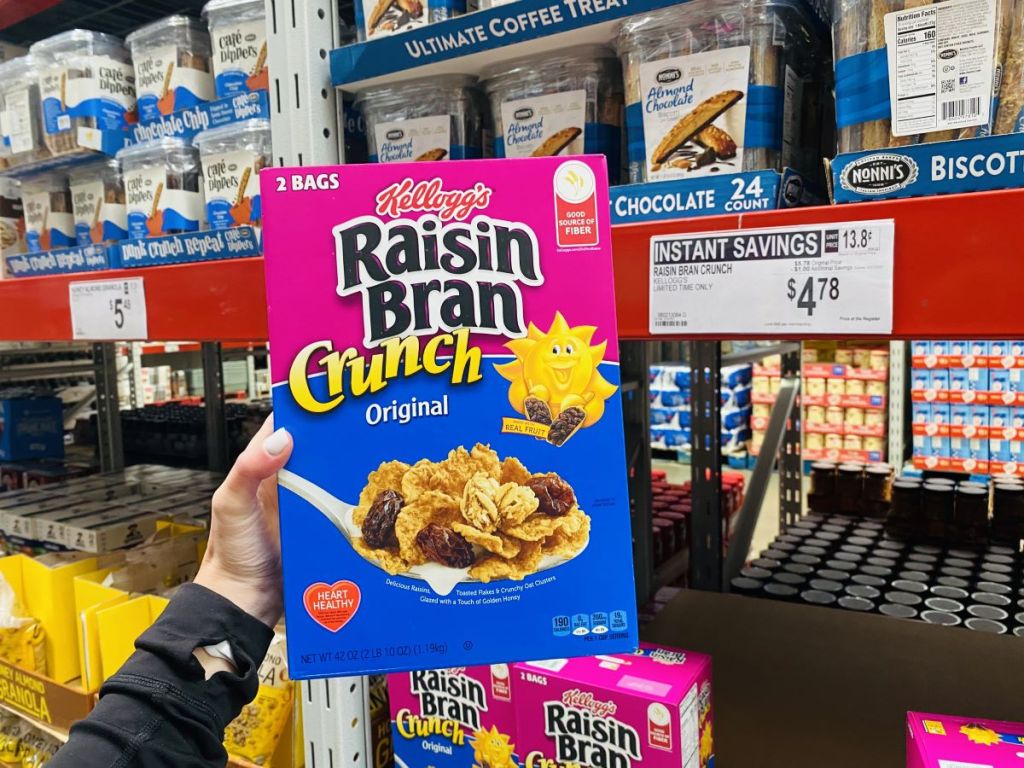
{"x":824,"y":278}
{"x":940,"y":66}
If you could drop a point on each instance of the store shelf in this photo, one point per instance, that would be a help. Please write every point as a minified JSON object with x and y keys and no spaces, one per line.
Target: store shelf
{"x":24,"y":21}
{"x":955,"y":258}
{"x":204,"y":301}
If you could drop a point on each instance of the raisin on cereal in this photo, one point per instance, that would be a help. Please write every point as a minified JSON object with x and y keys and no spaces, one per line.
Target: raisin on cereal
{"x":565,"y":425}
{"x":445,"y":546}
{"x":379,"y":525}
{"x":555,"y":495}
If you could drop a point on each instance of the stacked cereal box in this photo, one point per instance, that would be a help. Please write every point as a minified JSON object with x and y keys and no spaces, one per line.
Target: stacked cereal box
{"x":670,"y":407}
{"x":651,"y":708}
{"x":845,"y":399}
{"x":453,"y":717}
{"x":967,"y":408}
{"x":943,"y":741}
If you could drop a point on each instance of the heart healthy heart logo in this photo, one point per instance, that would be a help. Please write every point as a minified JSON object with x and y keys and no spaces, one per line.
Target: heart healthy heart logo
{"x":332,"y":606}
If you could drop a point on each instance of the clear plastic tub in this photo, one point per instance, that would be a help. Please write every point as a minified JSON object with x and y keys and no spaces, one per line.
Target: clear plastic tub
{"x":238,"y":39}
{"x":172,"y":66}
{"x":862,"y":95}
{"x":97,"y":201}
{"x":49,"y":222}
{"x":86,"y":80}
{"x":434,"y":118}
{"x":232,"y":158}
{"x":163,"y":187}
{"x":380,"y":18}
{"x":567,"y":103}
{"x":12,"y":219}
{"x":20,"y":113}
{"x":717,"y":86}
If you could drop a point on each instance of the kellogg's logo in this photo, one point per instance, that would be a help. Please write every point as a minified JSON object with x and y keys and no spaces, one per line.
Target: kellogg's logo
{"x":585,"y":733}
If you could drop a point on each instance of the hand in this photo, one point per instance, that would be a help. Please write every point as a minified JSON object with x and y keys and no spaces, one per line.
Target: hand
{"x":243,"y":557}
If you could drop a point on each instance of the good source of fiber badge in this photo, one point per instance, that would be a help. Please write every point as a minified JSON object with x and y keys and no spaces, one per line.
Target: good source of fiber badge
{"x":445,"y":356}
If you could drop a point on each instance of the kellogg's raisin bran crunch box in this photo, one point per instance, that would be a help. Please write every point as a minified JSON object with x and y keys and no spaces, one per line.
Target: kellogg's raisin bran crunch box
{"x":651,"y":709}
{"x":445,"y":355}
{"x":946,"y":741}
{"x":456,"y":717}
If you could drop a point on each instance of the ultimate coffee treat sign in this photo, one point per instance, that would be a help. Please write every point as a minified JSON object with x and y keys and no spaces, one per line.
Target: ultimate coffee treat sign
{"x":445,"y":356}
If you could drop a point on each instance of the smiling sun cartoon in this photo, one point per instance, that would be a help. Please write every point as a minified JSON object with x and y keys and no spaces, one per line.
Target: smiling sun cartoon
{"x":491,"y":749}
{"x":555,"y":378}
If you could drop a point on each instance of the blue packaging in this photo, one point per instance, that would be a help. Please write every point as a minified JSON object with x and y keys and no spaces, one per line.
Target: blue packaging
{"x":979,"y":347}
{"x":978,"y":379}
{"x":980,"y":416}
{"x":1001,"y":416}
{"x":938,"y":380}
{"x":172,"y":66}
{"x":737,"y":375}
{"x":1000,"y":380}
{"x":232,"y":157}
{"x":372,"y":25}
{"x":920,"y":378}
{"x":238,"y":45}
{"x":921,"y":413}
{"x":960,"y":414}
{"x":958,"y":380}
{"x":31,"y":428}
{"x":734,"y":418}
{"x":921,"y":347}
{"x":940,"y":413}
{"x":737,"y":397}
{"x":939,"y":347}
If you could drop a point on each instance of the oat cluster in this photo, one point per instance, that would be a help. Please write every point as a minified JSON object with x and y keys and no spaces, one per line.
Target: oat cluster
{"x":470,"y":510}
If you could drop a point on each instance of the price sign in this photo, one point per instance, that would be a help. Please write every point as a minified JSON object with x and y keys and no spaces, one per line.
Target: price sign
{"x":112,"y":310}
{"x":820,"y":278}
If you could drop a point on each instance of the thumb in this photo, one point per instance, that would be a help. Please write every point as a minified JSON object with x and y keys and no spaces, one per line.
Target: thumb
{"x":267,"y":452}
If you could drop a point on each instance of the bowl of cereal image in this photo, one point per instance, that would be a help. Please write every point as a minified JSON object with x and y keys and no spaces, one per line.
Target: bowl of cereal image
{"x":470,"y":517}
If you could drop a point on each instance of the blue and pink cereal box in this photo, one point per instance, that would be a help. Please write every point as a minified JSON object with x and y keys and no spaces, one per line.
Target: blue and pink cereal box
{"x":445,"y":356}
{"x":947,"y":741}
{"x":453,"y":717}
{"x":652,"y":709}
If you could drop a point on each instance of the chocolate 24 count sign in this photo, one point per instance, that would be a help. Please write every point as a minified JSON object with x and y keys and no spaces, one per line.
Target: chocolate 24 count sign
{"x":826,"y":278}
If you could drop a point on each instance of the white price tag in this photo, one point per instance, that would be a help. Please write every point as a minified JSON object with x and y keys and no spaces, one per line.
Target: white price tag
{"x":113,"y":310}
{"x":813,"y":279}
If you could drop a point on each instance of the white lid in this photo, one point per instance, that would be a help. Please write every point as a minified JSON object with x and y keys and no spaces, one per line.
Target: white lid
{"x":258,"y":128}
{"x":240,"y":6}
{"x":420,"y":87}
{"x":162,"y":25}
{"x":77,"y":41}
{"x":574,"y":59}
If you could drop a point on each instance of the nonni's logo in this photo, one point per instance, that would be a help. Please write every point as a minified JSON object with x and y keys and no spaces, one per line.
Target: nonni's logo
{"x":879,"y":174}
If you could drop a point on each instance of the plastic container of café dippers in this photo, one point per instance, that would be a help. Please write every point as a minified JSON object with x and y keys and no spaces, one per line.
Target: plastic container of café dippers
{"x":20,"y":112}
{"x":565,"y":103}
{"x":238,"y":43}
{"x":163,"y":187}
{"x":86,"y":80}
{"x":232,"y":157}
{"x":172,"y":66}
{"x":431,"y":118}
{"x":49,"y":222}
{"x":97,"y":202}
{"x":714,"y":86}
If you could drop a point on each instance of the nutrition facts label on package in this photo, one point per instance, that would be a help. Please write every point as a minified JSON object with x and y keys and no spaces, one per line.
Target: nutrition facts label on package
{"x":940,"y":66}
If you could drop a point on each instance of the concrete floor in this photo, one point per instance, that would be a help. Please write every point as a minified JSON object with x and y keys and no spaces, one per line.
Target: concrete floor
{"x":768,"y":522}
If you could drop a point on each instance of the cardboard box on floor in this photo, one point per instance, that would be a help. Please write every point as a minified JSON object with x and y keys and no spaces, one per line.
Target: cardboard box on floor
{"x":804,"y":687}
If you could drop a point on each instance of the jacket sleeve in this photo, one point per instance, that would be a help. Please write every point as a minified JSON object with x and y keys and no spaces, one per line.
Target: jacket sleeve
{"x":158,"y":710}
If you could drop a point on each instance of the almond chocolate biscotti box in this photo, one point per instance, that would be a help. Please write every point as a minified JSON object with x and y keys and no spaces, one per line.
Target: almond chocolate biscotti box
{"x":444,"y":353}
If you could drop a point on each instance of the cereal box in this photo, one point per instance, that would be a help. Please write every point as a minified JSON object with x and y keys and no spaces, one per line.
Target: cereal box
{"x":945,"y":741}
{"x":445,"y":355}
{"x":650,"y":709}
{"x":453,"y":717}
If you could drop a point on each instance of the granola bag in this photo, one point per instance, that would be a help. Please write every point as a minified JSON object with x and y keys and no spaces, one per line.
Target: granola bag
{"x":255,"y":733}
{"x":446,"y":358}
{"x":950,"y":57}
{"x":715,"y":86}
{"x":22,"y":639}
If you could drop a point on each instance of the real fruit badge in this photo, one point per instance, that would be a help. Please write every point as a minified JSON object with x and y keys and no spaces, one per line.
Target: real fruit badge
{"x":445,"y":356}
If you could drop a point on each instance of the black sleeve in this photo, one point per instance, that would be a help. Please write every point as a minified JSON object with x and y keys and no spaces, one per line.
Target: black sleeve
{"x":158,"y":711}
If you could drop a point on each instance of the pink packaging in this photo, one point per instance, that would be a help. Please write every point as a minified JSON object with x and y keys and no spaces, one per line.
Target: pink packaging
{"x":453,"y":717}
{"x":649,"y":709}
{"x":945,"y":741}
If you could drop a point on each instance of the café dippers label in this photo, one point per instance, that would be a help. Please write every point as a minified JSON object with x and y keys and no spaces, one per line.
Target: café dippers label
{"x":453,"y":326}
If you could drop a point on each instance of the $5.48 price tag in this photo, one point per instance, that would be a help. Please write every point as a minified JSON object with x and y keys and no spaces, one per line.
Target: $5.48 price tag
{"x":112,"y":310}
{"x":818,"y":278}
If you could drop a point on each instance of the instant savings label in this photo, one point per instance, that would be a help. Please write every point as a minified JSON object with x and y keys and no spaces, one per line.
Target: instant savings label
{"x":447,"y":362}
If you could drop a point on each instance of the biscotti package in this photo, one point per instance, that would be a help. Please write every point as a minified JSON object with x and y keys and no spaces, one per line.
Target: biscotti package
{"x":652,"y":709}
{"x":380,"y":18}
{"x":447,"y":362}
{"x":714,"y":86}
{"x":948,"y":741}
{"x":451,"y":718}
{"x":913,"y":71}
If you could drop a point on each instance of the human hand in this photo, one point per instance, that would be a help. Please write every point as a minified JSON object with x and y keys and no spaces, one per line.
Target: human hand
{"x":243,"y":557}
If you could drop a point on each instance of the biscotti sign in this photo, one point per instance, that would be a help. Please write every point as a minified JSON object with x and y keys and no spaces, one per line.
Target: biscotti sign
{"x":438,"y":323}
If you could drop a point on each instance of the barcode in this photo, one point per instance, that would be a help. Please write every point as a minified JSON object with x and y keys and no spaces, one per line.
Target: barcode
{"x":961,"y":108}
{"x":670,"y":323}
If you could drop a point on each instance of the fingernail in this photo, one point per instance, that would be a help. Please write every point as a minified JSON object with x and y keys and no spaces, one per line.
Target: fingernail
{"x":277,"y":442}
